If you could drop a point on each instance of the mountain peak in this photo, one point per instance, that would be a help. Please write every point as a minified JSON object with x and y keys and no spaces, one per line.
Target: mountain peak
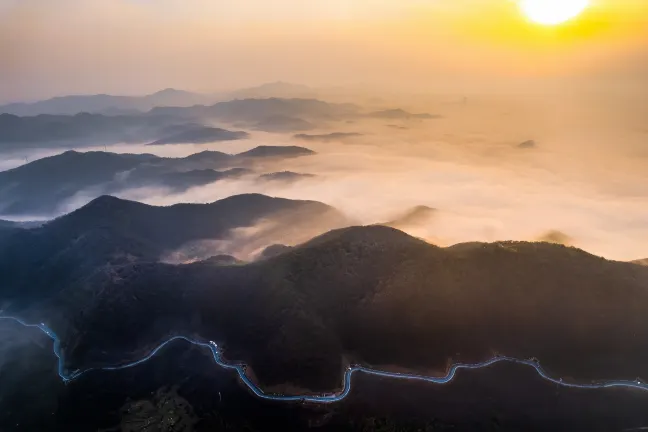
{"x":168,"y":92}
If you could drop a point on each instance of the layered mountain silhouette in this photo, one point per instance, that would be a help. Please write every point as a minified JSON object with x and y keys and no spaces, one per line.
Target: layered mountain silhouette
{"x":164,"y":123}
{"x":44,"y":185}
{"x":110,"y":232}
{"x":81,"y":129}
{"x":201,"y":135}
{"x":370,"y":295}
{"x":105,"y":104}
{"x":259,"y":110}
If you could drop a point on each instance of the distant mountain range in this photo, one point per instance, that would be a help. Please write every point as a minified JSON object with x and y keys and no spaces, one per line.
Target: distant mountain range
{"x":80,"y":129}
{"x":643,"y":262}
{"x":106,"y":104}
{"x":259,"y":110}
{"x":168,"y":125}
{"x":44,"y":185}
{"x":119,"y":105}
{"x":369,"y":295}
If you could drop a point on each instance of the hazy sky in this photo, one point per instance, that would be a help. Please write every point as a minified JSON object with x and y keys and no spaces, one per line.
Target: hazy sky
{"x":54,"y":47}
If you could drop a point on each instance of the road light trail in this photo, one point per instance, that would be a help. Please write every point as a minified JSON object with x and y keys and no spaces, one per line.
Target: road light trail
{"x":324,"y":398}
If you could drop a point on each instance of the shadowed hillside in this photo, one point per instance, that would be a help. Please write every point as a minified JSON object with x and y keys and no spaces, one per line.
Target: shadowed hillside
{"x":113,"y":232}
{"x":376,"y":296}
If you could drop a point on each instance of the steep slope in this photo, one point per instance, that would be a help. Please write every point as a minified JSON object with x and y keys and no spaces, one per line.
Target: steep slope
{"x":377,"y":296}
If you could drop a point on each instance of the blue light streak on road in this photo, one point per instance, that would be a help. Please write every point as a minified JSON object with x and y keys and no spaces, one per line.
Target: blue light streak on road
{"x":326,"y":398}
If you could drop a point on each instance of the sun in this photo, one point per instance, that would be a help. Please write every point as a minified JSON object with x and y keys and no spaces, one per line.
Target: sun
{"x":552,"y":12}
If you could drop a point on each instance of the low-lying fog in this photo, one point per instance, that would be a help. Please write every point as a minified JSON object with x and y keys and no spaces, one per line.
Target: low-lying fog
{"x":584,"y":176}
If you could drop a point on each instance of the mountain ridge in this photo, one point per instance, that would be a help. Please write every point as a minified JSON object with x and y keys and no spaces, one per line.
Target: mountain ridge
{"x":293,"y":317}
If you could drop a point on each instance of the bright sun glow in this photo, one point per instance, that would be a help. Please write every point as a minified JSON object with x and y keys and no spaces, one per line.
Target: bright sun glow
{"x":552,"y":12}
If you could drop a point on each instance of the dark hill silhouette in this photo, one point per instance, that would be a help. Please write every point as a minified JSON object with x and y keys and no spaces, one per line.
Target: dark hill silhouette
{"x":42,"y":186}
{"x":274,"y":250}
{"x":163,"y":122}
{"x":80,"y":129}
{"x":376,"y":296}
{"x":8,"y":227}
{"x":276,"y":151}
{"x":112,"y":231}
{"x":201,"y":135}
{"x":176,"y":181}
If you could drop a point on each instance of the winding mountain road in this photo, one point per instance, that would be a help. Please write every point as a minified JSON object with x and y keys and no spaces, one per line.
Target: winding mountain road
{"x":324,"y":398}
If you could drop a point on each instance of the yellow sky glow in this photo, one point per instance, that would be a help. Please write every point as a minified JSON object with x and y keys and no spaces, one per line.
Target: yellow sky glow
{"x":70,"y":46}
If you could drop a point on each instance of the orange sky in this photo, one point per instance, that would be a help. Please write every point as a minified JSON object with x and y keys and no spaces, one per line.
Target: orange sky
{"x":138,"y":46}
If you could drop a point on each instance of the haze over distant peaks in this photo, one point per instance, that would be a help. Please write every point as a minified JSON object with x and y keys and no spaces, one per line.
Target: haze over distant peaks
{"x":401,"y":114}
{"x":201,"y":135}
{"x":282,"y":123}
{"x":415,"y":216}
{"x":555,"y":236}
{"x":277,"y":151}
{"x":334,"y":136}
{"x":44,"y":185}
{"x":285,"y":176}
{"x":103,"y":103}
{"x":275,"y":89}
